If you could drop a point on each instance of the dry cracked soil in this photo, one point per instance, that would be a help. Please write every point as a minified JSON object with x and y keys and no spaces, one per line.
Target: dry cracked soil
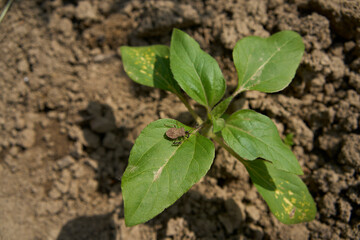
{"x":69,"y":116}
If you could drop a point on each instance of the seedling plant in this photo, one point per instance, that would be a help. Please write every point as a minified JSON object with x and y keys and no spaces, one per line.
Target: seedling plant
{"x":169,"y":157}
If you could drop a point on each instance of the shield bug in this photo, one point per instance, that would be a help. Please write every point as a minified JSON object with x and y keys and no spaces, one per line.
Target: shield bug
{"x":177,"y":134}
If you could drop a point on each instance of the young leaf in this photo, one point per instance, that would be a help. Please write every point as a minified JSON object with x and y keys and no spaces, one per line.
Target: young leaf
{"x":288,"y":140}
{"x":253,"y":135}
{"x":197,"y":73}
{"x":159,"y":172}
{"x":287,"y":196}
{"x":219,"y":109}
{"x":217,"y":112}
{"x":149,"y":66}
{"x":268,"y":65}
{"x":218,"y":124}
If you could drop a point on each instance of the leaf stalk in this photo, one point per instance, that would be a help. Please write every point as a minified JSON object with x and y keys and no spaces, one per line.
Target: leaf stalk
{"x":221,"y":142}
{"x":197,"y":118}
{"x":6,"y":8}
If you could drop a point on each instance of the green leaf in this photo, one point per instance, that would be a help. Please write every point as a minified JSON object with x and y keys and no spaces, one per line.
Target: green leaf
{"x":219,"y":109}
{"x":218,"y":124}
{"x":253,"y":135}
{"x":217,"y":112}
{"x":149,"y":66}
{"x":197,"y":73}
{"x":268,"y":65}
{"x":287,"y":196}
{"x":159,"y":172}
{"x":288,"y":140}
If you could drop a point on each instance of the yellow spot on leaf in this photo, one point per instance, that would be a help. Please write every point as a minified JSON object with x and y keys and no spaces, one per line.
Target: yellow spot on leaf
{"x":287,"y":201}
{"x":289,"y":205}
{"x":302,"y":216}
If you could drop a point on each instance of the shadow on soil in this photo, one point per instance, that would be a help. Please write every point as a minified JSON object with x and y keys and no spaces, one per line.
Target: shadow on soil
{"x":193,"y":216}
{"x":198,"y":217}
{"x":89,"y":228}
{"x":105,"y":143}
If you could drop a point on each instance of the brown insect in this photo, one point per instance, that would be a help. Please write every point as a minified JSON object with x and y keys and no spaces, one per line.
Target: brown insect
{"x":178,"y":134}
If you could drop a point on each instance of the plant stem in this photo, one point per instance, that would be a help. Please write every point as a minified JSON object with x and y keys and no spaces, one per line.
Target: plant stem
{"x":6,"y":8}
{"x":237,"y":92}
{"x":198,"y":128}
{"x":221,"y":142}
{"x":197,"y":118}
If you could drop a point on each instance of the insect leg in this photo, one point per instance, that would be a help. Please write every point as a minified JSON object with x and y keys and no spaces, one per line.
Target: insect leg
{"x":177,"y":143}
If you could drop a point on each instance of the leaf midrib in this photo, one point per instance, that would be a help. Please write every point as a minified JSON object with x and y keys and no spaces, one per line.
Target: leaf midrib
{"x":269,"y":146}
{"x":165,"y":169}
{"x":192,"y":65}
{"x":152,"y":182}
{"x":262,"y":66}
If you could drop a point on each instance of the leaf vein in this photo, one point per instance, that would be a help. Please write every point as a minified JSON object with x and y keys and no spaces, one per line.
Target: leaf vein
{"x":265,"y":62}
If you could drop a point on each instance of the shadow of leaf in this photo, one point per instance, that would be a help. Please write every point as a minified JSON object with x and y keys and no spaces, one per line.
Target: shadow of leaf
{"x":89,"y":228}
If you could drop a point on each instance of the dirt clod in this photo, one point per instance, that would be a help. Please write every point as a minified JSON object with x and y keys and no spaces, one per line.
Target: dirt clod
{"x":350,"y":151}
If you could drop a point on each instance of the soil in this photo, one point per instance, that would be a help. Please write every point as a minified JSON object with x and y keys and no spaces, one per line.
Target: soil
{"x":69,"y":116}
